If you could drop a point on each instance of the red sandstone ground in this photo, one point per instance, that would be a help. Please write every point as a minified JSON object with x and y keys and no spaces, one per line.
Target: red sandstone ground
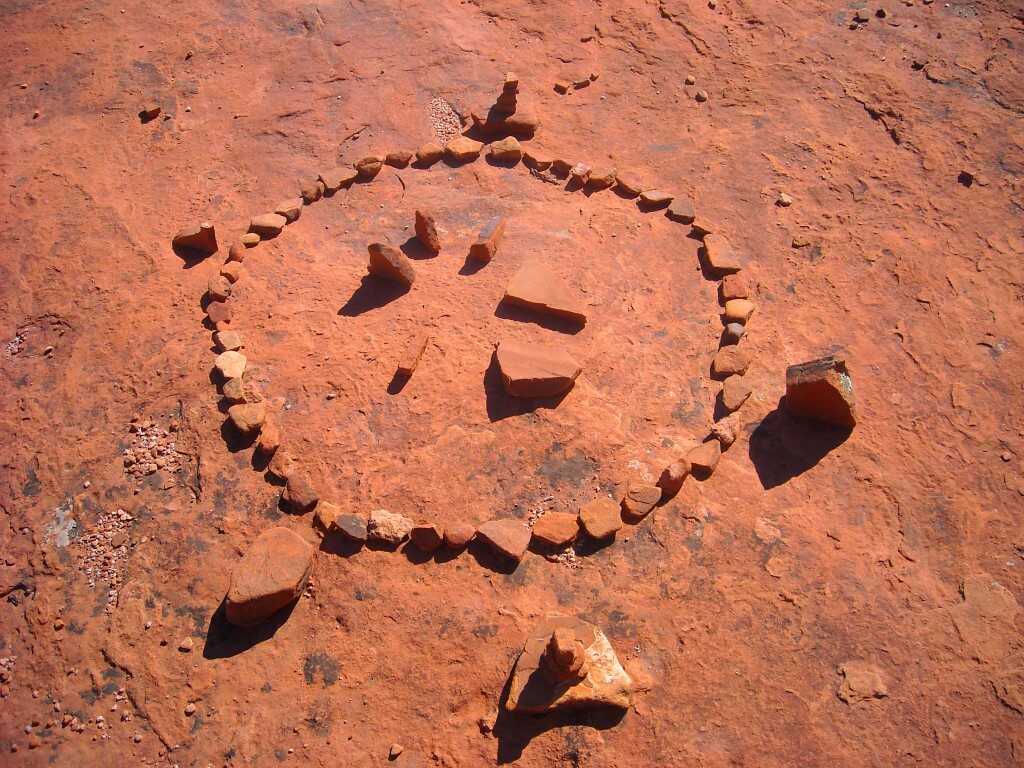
{"x":900,"y":549}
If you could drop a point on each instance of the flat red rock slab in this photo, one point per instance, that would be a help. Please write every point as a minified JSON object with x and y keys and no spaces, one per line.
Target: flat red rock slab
{"x":601,"y":518}
{"x":269,"y":576}
{"x":390,"y":263}
{"x":533,"y":370}
{"x":534,"y":286}
{"x":507,"y":537}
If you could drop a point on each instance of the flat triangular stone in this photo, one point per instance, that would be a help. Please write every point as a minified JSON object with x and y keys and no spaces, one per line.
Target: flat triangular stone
{"x":533,"y":370}
{"x":534,"y":286}
{"x":603,"y":684}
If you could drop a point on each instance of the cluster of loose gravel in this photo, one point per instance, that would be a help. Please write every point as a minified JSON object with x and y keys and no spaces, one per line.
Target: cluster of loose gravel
{"x":720,"y":260}
{"x":104,"y":550}
{"x":152,"y":448}
{"x":444,"y":120}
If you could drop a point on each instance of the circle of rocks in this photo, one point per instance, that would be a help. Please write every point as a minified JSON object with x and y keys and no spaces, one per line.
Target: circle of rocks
{"x":551,"y":533}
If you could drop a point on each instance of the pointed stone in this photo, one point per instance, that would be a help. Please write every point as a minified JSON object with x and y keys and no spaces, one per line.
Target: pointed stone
{"x":533,"y":370}
{"x":272,"y":574}
{"x":540,"y":684}
{"x":509,"y":538}
{"x":507,"y":150}
{"x":388,"y":262}
{"x":299,"y":494}
{"x":201,"y":239}
{"x":673,"y":477}
{"x":534,"y":286}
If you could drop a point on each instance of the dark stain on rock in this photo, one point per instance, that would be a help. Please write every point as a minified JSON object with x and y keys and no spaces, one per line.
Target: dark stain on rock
{"x":559,"y":468}
{"x":323,"y":665}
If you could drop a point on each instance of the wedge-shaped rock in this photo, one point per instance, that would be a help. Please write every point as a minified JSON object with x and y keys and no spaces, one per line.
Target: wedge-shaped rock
{"x":720,"y":256}
{"x":201,"y":239}
{"x":390,"y":263}
{"x":534,"y":286}
{"x":489,"y":239}
{"x":533,"y":370}
{"x":541,"y":684}
{"x":271,"y":575}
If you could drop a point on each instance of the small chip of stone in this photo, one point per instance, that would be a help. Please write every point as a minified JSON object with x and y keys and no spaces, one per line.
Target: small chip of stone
{"x":186,"y":645}
{"x":784,"y":200}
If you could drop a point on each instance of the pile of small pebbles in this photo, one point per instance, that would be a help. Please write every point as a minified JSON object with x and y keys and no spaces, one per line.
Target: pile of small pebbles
{"x":152,"y":447}
{"x":104,"y":550}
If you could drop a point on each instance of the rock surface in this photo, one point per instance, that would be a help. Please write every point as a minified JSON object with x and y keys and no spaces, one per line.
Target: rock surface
{"x":536,"y":287}
{"x":535,"y":689}
{"x":427,"y":536}
{"x":705,"y":456}
{"x":463,"y":149}
{"x":271,"y":574}
{"x":533,"y":370}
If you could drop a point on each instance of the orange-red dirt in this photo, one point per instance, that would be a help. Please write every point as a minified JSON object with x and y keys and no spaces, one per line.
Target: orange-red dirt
{"x":814,"y":602}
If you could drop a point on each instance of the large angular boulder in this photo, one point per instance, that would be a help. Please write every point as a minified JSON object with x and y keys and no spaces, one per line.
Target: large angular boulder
{"x":568,"y":663}
{"x":272,"y":574}
{"x":534,"y":286}
{"x":534,"y":370}
{"x":822,"y":390}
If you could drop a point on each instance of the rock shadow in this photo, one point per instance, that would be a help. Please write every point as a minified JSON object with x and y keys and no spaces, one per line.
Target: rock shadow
{"x":415,"y":250}
{"x":337,"y":544}
{"x":398,"y":382}
{"x":501,"y":405}
{"x":509,"y":311}
{"x":514,"y":731}
{"x":235,"y":440}
{"x":783,"y":446}
{"x":190,"y":256}
{"x":472,"y":266}
{"x":487,"y":558}
{"x":224,"y":640}
{"x":372,"y":293}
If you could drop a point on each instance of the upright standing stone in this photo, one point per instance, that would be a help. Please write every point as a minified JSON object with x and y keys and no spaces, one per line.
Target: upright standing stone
{"x":426,"y":232}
